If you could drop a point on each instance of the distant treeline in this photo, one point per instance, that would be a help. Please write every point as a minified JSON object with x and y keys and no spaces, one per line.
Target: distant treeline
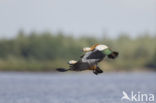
{"x":47,"y":51}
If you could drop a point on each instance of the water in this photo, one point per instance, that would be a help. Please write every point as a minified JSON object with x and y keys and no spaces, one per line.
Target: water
{"x":72,"y":87}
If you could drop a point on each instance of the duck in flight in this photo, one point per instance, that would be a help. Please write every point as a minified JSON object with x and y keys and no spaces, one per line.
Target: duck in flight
{"x":89,"y":61}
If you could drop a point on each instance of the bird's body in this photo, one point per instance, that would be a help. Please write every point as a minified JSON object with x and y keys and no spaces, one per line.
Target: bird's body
{"x":89,"y":61}
{"x":91,"y":58}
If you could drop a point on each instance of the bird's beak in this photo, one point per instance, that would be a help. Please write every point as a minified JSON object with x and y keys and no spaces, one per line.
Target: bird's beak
{"x":113,"y":55}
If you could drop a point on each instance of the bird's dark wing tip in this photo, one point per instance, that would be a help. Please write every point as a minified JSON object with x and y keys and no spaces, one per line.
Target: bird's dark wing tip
{"x":61,"y":69}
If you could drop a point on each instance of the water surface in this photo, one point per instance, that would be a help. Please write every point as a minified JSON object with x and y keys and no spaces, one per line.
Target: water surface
{"x":72,"y":87}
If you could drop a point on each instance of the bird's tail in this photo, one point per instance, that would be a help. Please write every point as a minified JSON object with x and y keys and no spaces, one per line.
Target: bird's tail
{"x":62,"y":69}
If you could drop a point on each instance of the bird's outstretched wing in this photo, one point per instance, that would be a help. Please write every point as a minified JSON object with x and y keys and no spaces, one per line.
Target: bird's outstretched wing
{"x":79,"y":66}
{"x":96,"y":55}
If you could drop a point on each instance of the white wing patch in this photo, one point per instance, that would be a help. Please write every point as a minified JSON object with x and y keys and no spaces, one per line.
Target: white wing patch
{"x":101,"y":47}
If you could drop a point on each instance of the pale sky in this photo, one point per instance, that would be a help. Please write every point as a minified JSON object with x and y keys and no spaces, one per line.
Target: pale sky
{"x":78,"y":17}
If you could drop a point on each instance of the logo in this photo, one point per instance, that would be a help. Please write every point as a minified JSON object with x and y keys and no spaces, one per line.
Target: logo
{"x":138,"y":97}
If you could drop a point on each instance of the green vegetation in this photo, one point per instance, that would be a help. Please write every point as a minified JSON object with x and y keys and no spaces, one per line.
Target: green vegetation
{"x":46,"y":51}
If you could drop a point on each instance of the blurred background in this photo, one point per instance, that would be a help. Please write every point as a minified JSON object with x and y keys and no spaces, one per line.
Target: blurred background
{"x":38,"y":36}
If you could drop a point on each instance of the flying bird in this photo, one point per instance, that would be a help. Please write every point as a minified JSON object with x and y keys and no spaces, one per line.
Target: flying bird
{"x":89,"y":61}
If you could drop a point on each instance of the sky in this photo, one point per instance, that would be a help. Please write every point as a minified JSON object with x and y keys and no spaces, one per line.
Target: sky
{"x":78,"y":17}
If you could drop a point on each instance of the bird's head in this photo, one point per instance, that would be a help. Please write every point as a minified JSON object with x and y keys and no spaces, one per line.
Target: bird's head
{"x":107,"y":51}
